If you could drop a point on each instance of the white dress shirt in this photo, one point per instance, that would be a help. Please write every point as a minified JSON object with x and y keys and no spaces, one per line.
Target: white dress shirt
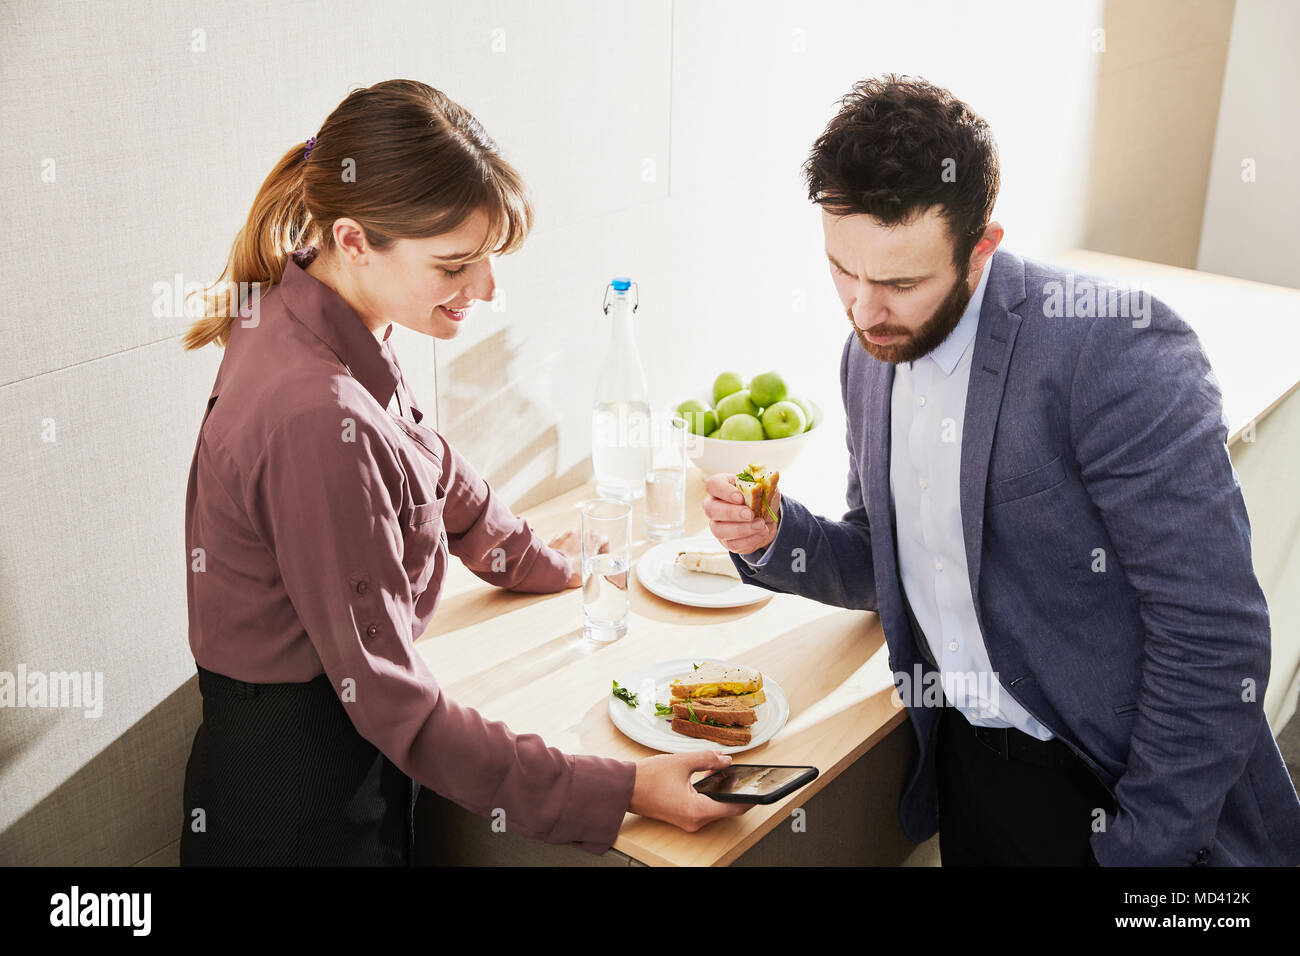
{"x":927,"y":410}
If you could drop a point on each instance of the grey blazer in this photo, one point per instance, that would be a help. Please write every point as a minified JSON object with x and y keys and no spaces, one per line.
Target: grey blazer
{"x":1082,"y":433}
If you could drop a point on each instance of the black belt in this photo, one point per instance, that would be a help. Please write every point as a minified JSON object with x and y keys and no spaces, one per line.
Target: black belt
{"x":1010,"y":743}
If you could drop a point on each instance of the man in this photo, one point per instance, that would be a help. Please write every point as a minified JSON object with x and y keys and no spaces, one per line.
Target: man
{"x":1043,"y":512}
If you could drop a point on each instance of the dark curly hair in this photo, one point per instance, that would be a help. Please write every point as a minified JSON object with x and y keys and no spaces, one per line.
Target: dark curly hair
{"x":899,"y":145}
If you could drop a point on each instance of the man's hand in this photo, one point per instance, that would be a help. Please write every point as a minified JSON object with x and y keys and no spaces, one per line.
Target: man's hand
{"x":663,"y":790}
{"x":732,"y":523}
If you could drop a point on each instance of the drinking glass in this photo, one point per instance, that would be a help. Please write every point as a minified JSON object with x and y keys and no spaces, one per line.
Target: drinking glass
{"x":665,"y":481}
{"x":605,"y":600}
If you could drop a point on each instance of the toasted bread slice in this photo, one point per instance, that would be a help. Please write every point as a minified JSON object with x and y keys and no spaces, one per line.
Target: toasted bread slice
{"x":727,"y":736}
{"x":717,"y":680}
{"x":758,"y":487}
{"x":720,"y":710}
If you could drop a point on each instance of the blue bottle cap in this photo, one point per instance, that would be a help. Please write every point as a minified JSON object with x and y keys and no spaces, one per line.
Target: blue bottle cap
{"x":621,"y":284}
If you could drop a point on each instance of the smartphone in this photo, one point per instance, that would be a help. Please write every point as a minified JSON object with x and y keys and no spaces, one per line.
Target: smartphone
{"x":755,"y":782}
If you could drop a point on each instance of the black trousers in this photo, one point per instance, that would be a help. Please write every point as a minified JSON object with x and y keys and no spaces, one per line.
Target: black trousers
{"x":278,"y":776}
{"x":995,"y":812}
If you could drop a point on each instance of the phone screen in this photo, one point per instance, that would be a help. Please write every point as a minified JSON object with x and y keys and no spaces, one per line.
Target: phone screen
{"x":753,"y":780}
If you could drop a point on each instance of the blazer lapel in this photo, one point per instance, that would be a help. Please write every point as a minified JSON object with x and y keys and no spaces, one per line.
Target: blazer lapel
{"x":880,"y":507}
{"x":994,"y":340}
{"x":879,"y":390}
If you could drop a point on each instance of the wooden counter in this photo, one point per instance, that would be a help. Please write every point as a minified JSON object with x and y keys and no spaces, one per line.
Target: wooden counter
{"x":521,"y":658}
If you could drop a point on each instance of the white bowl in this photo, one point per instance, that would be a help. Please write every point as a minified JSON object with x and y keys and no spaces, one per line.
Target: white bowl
{"x":712,"y":455}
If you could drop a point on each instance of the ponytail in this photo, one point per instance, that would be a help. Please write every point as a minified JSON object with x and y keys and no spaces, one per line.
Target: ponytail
{"x":277,"y":224}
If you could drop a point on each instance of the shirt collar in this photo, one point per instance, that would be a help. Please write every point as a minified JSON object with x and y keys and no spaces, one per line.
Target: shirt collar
{"x":334,"y":322}
{"x":950,"y":350}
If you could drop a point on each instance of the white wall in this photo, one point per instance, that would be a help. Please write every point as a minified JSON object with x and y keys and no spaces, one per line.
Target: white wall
{"x":1251,"y":229}
{"x":729,"y":248}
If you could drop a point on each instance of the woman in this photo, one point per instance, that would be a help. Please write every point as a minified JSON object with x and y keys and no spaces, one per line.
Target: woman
{"x":321,"y":513}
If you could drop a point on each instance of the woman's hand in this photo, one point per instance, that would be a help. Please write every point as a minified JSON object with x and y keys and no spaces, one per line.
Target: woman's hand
{"x":663,"y":790}
{"x":568,"y":542}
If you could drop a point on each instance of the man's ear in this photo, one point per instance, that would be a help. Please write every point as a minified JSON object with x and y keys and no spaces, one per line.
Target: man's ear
{"x":986,"y":245}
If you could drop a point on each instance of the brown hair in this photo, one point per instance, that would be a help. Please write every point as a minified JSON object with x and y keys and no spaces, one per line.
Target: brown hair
{"x":886,"y":152}
{"x":420,"y":166}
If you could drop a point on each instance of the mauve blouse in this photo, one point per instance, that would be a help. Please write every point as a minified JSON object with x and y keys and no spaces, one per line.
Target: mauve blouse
{"x":318,"y":524}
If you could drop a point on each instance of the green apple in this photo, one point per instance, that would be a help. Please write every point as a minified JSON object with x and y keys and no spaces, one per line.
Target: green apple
{"x":725,"y":384}
{"x":699,"y":417}
{"x":767,"y":389}
{"x":807,"y":410}
{"x":741,"y":427}
{"x":737,"y":403}
{"x":783,"y":420}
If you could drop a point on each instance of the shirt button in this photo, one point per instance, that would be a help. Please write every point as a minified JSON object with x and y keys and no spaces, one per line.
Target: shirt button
{"x":924,"y":483}
{"x":371,"y":631}
{"x":952,"y":646}
{"x":938,"y":565}
{"x":921,"y":400}
{"x":362,"y":587}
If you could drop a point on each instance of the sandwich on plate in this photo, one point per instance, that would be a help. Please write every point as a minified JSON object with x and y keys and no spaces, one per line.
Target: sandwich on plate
{"x":707,"y":562}
{"x":717,"y":703}
{"x":758,"y":487}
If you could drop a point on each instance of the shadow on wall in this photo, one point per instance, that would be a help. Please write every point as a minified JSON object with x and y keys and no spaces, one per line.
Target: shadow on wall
{"x":123,"y":806}
{"x":506,"y":435}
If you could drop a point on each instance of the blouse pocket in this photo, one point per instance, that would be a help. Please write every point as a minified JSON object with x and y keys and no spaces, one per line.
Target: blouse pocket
{"x":424,"y":513}
{"x":421,"y":542}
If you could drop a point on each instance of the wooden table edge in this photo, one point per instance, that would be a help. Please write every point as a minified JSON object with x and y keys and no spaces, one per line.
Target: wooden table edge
{"x":780,"y":811}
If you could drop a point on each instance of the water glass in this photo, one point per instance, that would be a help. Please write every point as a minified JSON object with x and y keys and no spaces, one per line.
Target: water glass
{"x":665,"y":481}
{"x":605,"y":593}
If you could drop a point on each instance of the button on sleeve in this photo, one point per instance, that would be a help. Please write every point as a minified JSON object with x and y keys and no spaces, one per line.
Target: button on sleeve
{"x":325,"y":495}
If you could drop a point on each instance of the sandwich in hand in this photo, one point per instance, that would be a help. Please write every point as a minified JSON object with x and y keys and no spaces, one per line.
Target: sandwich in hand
{"x":717,"y":703}
{"x":707,"y":562}
{"x":758,"y":486}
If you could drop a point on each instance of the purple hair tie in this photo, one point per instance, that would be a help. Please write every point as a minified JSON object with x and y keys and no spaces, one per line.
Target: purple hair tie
{"x":306,"y":155}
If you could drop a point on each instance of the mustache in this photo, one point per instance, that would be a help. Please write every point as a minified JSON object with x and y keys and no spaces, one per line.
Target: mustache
{"x":879,"y":331}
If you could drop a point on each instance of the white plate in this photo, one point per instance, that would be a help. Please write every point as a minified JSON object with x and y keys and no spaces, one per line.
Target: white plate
{"x":655,"y":570}
{"x":652,"y":684}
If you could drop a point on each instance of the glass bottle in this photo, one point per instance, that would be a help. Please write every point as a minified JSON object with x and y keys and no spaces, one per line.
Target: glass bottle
{"x":620,"y":418}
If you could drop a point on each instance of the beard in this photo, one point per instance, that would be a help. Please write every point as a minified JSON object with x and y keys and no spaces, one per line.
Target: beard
{"x":929,"y":336}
